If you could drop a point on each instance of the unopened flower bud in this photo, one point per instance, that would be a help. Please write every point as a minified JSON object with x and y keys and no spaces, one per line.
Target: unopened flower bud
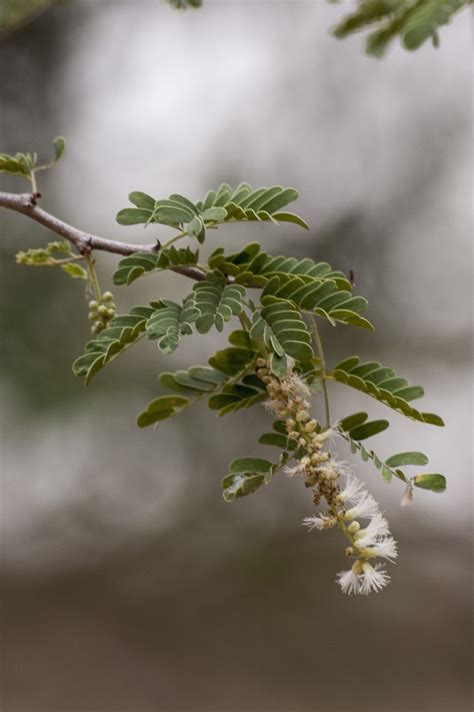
{"x":311,"y":426}
{"x":353,"y":527}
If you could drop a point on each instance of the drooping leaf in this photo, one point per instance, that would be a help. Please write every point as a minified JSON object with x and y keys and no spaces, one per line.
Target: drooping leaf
{"x":247,"y":474}
{"x":254,"y":268}
{"x":122,"y":332}
{"x":170,"y":321}
{"x":229,"y":382}
{"x":142,"y":263}
{"x":217,"y":301}
{"x":280,"y":326}
{"x":381,"y":383}
{"x":367,"y":430}
{"x":321,"y":297}
{"x":160,"y":409}
{"x":433,"y":482}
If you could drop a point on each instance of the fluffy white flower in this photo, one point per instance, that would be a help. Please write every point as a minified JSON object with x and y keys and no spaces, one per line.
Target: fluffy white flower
{"x":351,"y":581}
{"x":365,"y":508}
{"x":297,"y":386}
{"x":323,"y":521}
{"x":353,"y":488}
{"x":386,"y":548}
{"x":377,"y":527}
{"x":373,"y":578}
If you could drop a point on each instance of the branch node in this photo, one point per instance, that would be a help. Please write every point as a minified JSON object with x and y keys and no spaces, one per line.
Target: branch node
{"x":86,"y":247}
{"x":33,"y":199}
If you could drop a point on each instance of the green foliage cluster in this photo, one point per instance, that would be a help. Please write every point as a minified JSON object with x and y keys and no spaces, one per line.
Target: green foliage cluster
{"x":26,"y":165}
{"x":277,"y":302}
{"x":414,"y":21}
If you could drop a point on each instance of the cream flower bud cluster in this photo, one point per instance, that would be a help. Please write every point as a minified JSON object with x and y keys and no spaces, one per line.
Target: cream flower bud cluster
{"x":367,"y":543}
{"x":289,"y":400}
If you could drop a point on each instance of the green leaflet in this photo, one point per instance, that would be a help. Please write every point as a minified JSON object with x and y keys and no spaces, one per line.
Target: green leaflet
{"x":217,"y":302}
{"x":247,"y":474}
{"x":433,"y":482}
{"x":74,"y":270}
{"x":122,"y":332}
{"x":280,"y":327}
{"x":426,"y":19}
{"x":381,"y":383}
{"x":254,"y":268}
{"x":142,"y":263}
{"x":169,"y":322}
{"x":160,"y":409}
{"x":321,"y":297}
{"x":219,"y":206}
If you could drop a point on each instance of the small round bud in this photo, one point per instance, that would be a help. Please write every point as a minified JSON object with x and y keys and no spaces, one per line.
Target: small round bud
{"x":93,"y":304}
{"x":102,"y":309}
{"x":291,"y":423}
{"x":261,"y":362}
{"x":92,"y":315}
{"x":110,"y":313}
{"x":107,"y":296}
{"x":353,"y":527}
{"x":311,"y":426}
{"x":350,"y":551}
{"x":94,"y":330}
{"x":98,"y":325}
{"x":302,"y":442}
{"x":301,"y":416}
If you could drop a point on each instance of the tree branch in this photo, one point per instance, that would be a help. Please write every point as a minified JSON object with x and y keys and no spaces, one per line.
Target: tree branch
{"x":25,"y":203}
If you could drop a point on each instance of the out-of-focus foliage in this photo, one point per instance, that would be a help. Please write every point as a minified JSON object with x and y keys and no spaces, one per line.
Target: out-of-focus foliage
{"x":14,"y":13}
{"x":414,"y":21}
{"x":183,"y":4}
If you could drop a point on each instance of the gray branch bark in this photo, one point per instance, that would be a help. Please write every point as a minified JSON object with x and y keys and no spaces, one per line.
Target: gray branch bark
{"x":25,"y":204}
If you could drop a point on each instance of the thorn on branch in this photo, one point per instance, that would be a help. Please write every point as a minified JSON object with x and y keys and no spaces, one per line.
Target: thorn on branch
{"x":34,"y":197}
{"x":86,"y":247}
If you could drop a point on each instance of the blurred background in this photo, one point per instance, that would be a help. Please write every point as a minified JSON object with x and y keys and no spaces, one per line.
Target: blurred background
{"x":128,"y":585}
